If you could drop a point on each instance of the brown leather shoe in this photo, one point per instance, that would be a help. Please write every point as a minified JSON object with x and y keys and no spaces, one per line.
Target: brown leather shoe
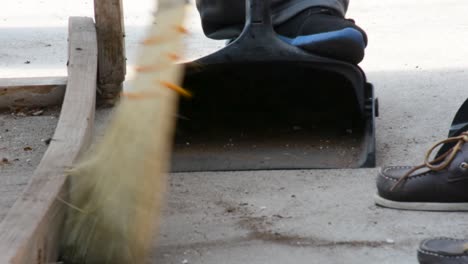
{"x":443,"y":251}
{"x":438,"y":185}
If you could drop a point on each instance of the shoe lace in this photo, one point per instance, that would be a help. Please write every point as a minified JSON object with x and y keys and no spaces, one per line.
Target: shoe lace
{"x":441,"y":162}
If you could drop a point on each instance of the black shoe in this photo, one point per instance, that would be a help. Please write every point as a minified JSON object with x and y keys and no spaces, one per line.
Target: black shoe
{"x":326,"y":33}
{"x":441,"y":187}
{"x":443,"y":251}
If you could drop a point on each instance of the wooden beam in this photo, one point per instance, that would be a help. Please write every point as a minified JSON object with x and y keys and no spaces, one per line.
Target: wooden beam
{"x":29,"y":234}
{"x":31,"y":92}
{"x":111,"y":47}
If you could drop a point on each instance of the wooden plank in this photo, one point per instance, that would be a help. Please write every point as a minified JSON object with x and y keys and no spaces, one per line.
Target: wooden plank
{"x":31,"y":92}
{"x":111,"y":46}
{"x":29,"y":233}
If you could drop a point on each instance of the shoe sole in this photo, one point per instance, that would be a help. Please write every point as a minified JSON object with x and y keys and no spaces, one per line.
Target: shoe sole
{"x":414,"y":206}
{"x":425,"y":257}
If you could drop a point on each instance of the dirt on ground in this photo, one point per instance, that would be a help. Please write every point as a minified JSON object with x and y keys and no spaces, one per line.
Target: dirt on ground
{"x":24,"y":137}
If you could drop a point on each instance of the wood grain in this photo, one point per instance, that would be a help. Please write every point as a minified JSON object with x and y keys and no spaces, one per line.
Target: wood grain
{"x":29,"y":233}
{"x":111,"y":46}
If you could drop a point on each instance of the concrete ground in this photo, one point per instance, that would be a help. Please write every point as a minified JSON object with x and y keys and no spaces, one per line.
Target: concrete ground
{"x":417,"y":60}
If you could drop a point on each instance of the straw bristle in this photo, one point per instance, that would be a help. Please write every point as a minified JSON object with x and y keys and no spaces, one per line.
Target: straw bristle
{"x":116,"y":191}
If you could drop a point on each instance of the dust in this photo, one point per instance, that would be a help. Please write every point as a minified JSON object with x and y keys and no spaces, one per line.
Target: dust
{"x":263,"y":228}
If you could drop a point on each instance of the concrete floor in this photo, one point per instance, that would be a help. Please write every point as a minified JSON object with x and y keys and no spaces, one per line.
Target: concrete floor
{"x":417,"y":61}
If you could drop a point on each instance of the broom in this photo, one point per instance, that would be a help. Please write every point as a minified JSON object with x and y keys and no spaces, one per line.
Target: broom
{"x":116,"y":191}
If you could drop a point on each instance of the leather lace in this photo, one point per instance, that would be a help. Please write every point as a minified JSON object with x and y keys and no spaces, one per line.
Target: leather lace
{"x":441,"y":162}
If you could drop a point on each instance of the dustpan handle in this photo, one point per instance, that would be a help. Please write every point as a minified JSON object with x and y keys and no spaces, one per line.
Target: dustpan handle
{"x":258,"y":13}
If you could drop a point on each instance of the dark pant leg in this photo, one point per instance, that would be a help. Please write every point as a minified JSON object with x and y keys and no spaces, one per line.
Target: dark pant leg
{"x":224,"y":19}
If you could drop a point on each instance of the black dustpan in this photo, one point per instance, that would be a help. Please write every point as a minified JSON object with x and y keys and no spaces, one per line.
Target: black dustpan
{"x":260,"y":103}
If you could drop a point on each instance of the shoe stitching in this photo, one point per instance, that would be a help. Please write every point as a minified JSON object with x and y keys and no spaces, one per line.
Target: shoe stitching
{"x":443,"y":256}
{"x":401,"y":167}
{"x":395,"y":167}
{"x":447,"y":238}
{"x":409,"y":178}
{"x":388,"y":178}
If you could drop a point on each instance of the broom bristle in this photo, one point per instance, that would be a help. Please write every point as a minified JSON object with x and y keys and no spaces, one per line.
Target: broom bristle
{"x":116,"y":191}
